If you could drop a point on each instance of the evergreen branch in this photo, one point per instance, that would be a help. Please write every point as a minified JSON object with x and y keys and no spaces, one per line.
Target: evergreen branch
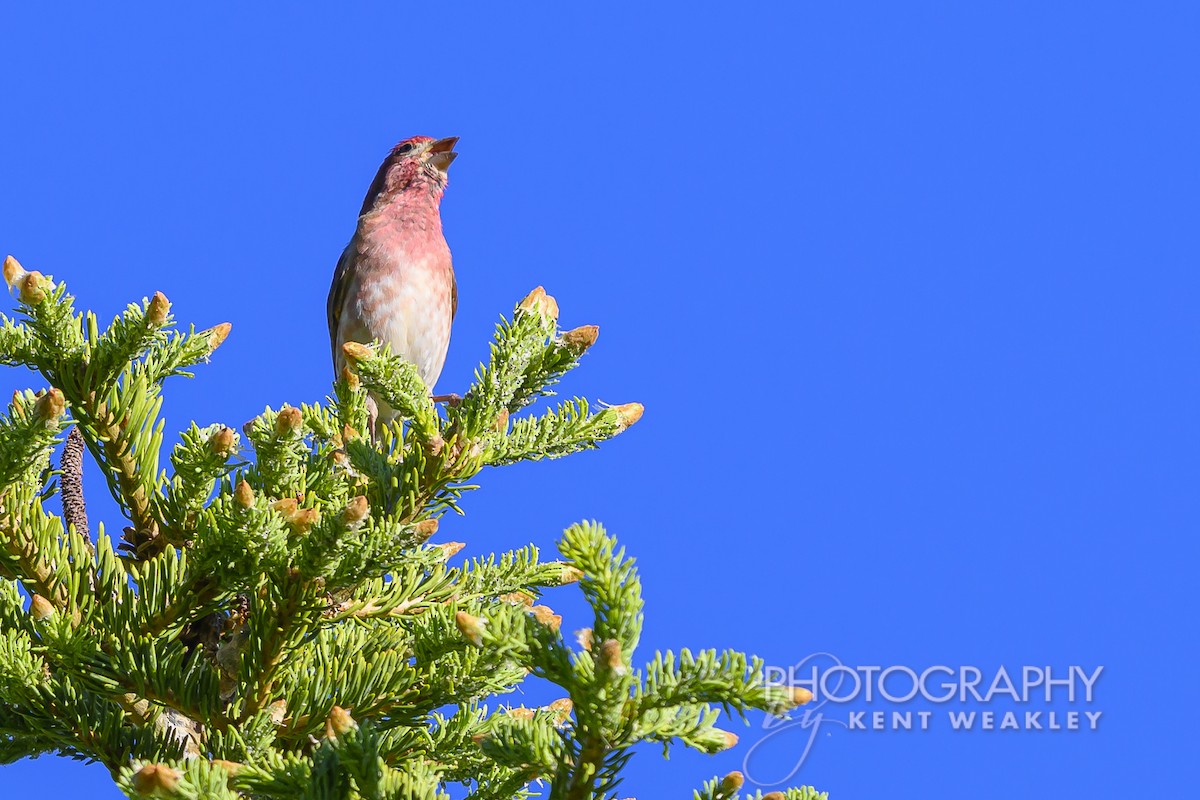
{"x":397,"y":383}
{"x":29,"y":544}
{"x":567,"y":429}
{"x":729,"y":679}
{"x":610,"y":583}
{"x":266,"y":602}
{"x":501,"y":386}
{"x":16,"y":343}
{"x":128,"y":339}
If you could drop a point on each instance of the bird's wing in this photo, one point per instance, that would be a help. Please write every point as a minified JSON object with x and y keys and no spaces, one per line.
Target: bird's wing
{"x":453,"y":295}
{"x":337,"y":295}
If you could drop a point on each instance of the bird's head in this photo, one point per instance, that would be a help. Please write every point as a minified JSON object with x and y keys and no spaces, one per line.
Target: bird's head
{"x":418,"y":164}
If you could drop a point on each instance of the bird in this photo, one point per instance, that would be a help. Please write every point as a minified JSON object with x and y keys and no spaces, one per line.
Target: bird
{"x":394,"y":282}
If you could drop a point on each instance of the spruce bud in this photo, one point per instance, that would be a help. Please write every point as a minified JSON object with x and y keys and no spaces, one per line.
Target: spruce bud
{"x":530,"y":301}
{"x":300,"y":520}
{"x":800,"y":695}
{"x":546,"y":616}
{"x":277,"y":712}
{"x":338,"y":723}
{"x":157,"y":311}
{"x":33,"y":287}
{"x":611,"y":658}
{"x":731,"y":783}
{"x":223,"y":443}
{"x":539,"y":302}
{"x":578,"y":340}
{"x":627,"y":415}
{"x":470,"y":627}
{"x":217,"y":336}
{"x":289,"y":422}
{"x":356,"y":511}
{"x":49,"y":407}
{"x":356,"y":351}
{"x":40,"y":608}
{"x":13,"y":271}
{"x":156,"y":780}
{"x":243,"y":495}
{"x":561,"y":709}
{"x":424,"y":531}
{"x":451,"y":549}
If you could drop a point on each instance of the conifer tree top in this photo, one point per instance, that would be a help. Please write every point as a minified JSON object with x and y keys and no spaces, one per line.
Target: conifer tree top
{"x":278,"y":617}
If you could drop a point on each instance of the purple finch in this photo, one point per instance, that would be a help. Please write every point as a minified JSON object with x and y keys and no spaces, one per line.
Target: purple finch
{"x":394,"y":282}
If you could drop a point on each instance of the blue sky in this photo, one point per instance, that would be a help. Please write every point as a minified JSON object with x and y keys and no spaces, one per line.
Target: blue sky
{"x":909,"y":292}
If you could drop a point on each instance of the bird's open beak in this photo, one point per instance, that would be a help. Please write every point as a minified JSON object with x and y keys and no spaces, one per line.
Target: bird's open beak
{"x":441,"y":153}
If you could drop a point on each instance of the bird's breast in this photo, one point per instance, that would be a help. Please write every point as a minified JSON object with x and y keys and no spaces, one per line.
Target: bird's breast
{"x":402,"y":296}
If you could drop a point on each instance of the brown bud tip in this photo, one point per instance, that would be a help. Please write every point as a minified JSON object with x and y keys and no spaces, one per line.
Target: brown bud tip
{"x":356,"y":351}
{"x":580,"y":339}
{"x":546,"y":616}
{"x":561,"y":709}
{"x":40,"y":608}
{"x":218,"y":335}
{"x":304,"y":520}
{"x":351,"y":379}
{"x":339,"y":723}
{"x":356,"y":511}
{"x":223,"y":443}
{"x":287,"y":506}
{"x":501,"y":422}
{"x":584,"y":637}
{"x":627,"y":415}
{"x":451,"y":549}
{"x":570,"y":574}
{"x":774,"y":796}
{"x":731,"y":783}
{"x":800,"y":695}
{"x":538,"y":302}
{"x":156,"y":780}
{"x":50,"y":406}
{"x":531,"y":300}
{"x":300,"y":520}
{"x":470,"y":627}
{"x":232,"y":767}
{"x":32,"y":288}
{"x":479,"y":738}
{"x":610,"y":656}
{"x":519,"y":712}
{"x":425,"y":529}
{"x":289,"y":422}
{"x":243,"y":495}
{"x":160,"y":307}
{"x":518,"y":599}
{"x":277,"y":711}
{"x":13,"y":271}
{"x":731,"y":739}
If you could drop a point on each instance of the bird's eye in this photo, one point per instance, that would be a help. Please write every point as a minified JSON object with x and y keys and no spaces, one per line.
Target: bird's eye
{"x":404,"y":148}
